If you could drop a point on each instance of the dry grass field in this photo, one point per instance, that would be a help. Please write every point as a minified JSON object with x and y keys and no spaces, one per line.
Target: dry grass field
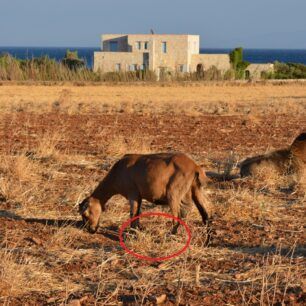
{"x":57,"y":142}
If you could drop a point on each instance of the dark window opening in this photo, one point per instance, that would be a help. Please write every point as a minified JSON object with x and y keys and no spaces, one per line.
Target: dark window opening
{"x":200,"y":70}
{"x":247,"y":74}
{"x":113,"y":46}
{"x":164,"y":47}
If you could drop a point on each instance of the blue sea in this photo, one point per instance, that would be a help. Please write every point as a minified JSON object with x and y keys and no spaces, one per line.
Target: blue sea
{"x":251,"y":55}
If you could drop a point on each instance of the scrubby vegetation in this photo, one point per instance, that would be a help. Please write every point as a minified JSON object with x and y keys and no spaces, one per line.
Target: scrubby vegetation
{"x":41,"y":69}
{"x":72,"y":60}
{"x":73,"y":68}
{"x":287,"y":71}
{"x":129,"y":76}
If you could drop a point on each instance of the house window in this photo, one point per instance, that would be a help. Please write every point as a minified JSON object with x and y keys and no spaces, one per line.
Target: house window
{"x":138,"y":45}
{"x":146,"y":45}
{"x":113,"y":46}
{"x":164,"y":47}
{"x":118,"y":67}
{"x":143,"y":67}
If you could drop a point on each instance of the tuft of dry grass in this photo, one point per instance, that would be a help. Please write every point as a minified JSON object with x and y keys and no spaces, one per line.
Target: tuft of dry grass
{"x":22,"y":274}
{"x":19,"y":177}
{"x":46,"y":147}
{"x":154,"y":239}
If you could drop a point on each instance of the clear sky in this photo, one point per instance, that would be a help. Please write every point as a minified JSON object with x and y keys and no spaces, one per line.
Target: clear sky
{"x":221,"y":23}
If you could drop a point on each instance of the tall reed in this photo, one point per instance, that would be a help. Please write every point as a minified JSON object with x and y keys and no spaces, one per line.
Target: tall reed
{"x":47,"y":69}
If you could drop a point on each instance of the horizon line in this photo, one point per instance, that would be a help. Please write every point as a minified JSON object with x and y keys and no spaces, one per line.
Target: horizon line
{"x":98,"y":47}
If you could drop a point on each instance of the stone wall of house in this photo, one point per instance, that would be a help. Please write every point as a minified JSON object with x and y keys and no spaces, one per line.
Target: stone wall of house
{"x":220,"y":61}
{"x":255,"y":71}
{"x":180,"y":49}
{"x":107,"y":61}
{"x":182,"y":54}
{"x":146,"y":50}
{"x":176,"y":55}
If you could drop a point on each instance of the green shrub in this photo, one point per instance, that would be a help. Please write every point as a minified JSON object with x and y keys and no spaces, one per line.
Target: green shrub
{"x":229,"y":75}
{"x":236,"y":57}
{"x":289,"y":71}
{"x":237,"y":62}
{"x":72,"y":60}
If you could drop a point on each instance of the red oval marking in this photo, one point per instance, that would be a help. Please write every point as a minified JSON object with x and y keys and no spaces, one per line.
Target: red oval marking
{"x":160,"y":214}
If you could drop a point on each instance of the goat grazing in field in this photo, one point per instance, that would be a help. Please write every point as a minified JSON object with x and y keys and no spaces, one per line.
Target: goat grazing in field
{"x":288,"y":161}
{"x":172,"y":179}
{"x":291,"y":160}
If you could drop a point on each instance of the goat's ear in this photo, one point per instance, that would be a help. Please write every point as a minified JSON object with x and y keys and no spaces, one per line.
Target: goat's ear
{"x":203,"y":167}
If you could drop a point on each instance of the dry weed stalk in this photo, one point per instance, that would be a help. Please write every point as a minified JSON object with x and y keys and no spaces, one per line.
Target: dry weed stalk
{"x":47,"y":145}
{"x":273,"y":279}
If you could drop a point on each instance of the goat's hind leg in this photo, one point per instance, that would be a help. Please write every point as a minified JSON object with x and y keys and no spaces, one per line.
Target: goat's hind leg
{"x":204,"y":208}
{"x":186,"y":204}
{"x":175,"y":194}
{"x":175,"y":210}
{"x":202,"y":204}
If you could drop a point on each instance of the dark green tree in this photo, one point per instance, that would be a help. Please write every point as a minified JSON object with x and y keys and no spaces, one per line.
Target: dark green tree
{"x":237,"y":62}
{"x":72,"y":60}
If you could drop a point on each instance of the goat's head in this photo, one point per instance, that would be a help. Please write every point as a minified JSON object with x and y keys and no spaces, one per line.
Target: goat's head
{"x":90,"y":210}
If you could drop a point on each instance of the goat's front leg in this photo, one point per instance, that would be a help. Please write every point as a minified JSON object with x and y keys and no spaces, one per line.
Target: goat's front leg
{"x":135,"y":207}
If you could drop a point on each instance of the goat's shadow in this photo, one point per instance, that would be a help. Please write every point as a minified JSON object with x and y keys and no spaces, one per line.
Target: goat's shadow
{"x":110,"y":232}
{"x":298,"y":251}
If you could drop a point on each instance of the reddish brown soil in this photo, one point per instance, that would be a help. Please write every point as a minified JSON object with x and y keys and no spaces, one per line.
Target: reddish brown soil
{"x":213,"y":135}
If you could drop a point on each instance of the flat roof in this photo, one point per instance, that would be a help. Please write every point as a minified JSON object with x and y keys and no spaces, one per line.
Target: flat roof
{"x":152,"y":34}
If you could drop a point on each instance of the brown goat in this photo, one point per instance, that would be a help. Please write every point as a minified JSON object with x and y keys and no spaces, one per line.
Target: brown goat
{"x":286,"y":161}
{"x":172,"y":179}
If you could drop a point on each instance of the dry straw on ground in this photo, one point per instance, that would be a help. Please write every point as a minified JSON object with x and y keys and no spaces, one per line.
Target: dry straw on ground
{"x":218,"y":99}
{"x":256,"y":254}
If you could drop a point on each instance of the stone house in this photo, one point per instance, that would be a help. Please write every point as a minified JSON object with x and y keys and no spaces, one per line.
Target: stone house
{"x":156,"y":52}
